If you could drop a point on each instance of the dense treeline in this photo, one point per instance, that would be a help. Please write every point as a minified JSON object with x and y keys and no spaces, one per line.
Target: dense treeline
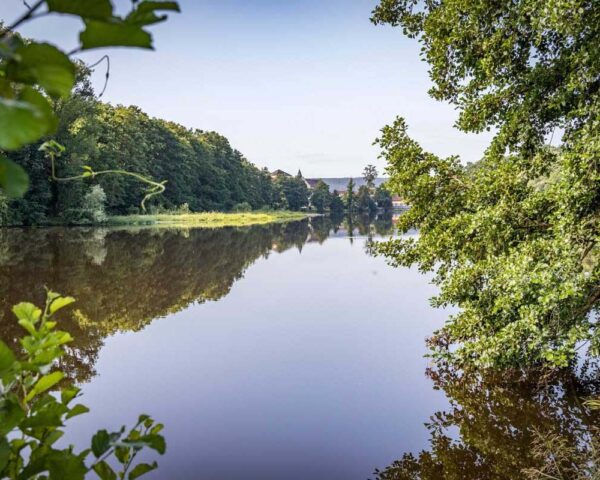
{"x":367,"y":200}
{"x":201,"y":168}
{"x":202,"y":171}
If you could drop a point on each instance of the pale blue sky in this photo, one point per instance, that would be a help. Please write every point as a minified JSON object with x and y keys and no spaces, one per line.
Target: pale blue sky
{"x":293,"y":84}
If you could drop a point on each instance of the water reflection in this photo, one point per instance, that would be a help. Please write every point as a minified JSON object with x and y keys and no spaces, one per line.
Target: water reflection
{"x":124,"y":279}
{"x":338,"y":380}
{"x":508,"y":426}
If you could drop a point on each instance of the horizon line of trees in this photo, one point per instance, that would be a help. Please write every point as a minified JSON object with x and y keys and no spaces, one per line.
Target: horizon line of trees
{"x":210,"y":175}
{"x":201,"y":170}
{"x":367,"y":199}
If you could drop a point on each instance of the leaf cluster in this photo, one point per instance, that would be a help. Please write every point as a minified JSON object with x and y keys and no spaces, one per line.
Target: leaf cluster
{"x":513,"y":237}
{"x":35,"y":404}
{"x":34,"y":75}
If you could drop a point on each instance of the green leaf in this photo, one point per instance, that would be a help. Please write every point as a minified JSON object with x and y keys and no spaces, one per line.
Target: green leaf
{"x":144,"y":19}
{"x":145,"y":14}
{"x":25,"y":120}
{"x":68,"y":394}
{"x":53,"y":437}
{"x":50,"y":295}
{"x":123,"y":454}
{"x":143,"y":418}
{"x":52,"y":146}
{"x":116,"y":34}
{"x":78,"y":409}
{"x":44,"y":65}
{"x":64,"y":465}
{"x":157,"y":428}
{"x":44,"y":383}
{"x":4,"y":453}
{"x":27,"y":325}
{"x":151,"y":6}
{"x":59,"y":303}
{"x":9,"y":44}
{"x":32,"y":468}
{"x":47,"y":418}
{"x":98,"y":9}
{"x":13,"y":179}
{"x":27,"y":311}
{"x":11,"y":414}
{"x":104,"y":471}
{"x":100,"y":443}
{"x":142,"y":469}
{"x":7,"y":358}
{"x":155,"y":442}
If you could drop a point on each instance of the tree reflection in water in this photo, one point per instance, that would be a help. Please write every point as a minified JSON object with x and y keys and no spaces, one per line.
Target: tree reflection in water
{"x":509,"y":425}
{"x":123,"y":279}
{"x":496,"y":427}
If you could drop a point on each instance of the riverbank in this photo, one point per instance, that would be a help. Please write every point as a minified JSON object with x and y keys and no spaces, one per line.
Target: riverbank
{"x":210,"y":219}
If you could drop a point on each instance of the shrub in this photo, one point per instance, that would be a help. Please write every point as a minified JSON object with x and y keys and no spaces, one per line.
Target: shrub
{"x":184,"y":209}
{"x":242,"y":207}
{"x":94,"y":204}
{"x":32,"y":417}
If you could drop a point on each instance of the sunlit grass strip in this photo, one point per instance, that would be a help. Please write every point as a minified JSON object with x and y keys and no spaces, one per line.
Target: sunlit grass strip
{"x":209,"y":219}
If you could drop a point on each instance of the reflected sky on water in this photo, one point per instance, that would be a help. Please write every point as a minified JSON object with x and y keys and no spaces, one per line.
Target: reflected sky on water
{"x":277,"y":351}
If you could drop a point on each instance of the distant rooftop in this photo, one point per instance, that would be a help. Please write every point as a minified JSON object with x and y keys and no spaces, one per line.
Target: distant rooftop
{"x":279,"y":173}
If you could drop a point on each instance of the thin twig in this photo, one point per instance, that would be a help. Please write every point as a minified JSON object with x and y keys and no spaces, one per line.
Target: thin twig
{"x":106,"y":77}
{"x":156,"y":188}
{"x":26,"y":16}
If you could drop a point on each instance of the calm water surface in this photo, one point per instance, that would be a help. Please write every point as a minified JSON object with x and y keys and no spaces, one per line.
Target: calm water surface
{"x":274,"y":352}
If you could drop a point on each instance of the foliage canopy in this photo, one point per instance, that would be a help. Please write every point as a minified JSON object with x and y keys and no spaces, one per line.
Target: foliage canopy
{"x":513,"y":238}
{"x":34,"y":75}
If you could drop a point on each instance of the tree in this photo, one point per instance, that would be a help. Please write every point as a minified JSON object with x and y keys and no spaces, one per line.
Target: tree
{"x":210,"y":174}
{"x":295,"y":191}
{"x":337,"y":205}
{"x":350,"y":196}
{"x":94,"y":202}
{"x":370,"y":174}
{"x":383,"y":198}
{"x":513,"y":239}
{"x":36,"y":74}
{"x":364,"y":202}
{"x":321,"y":198}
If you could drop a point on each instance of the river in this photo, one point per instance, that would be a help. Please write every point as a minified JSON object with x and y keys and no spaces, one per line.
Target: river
{"x":277,"y":352}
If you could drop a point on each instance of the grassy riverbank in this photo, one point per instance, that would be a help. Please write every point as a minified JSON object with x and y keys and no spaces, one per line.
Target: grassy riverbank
{"x":209,"y":219}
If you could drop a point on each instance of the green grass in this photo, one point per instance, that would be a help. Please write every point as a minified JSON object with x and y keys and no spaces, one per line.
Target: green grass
{"x":209,"y":219}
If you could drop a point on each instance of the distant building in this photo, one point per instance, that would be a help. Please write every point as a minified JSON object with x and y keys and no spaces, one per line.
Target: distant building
{"x":312,"y":182}
{"x":397,"y":202}
{"x":279,"y":173}
{"x":341,"y":183}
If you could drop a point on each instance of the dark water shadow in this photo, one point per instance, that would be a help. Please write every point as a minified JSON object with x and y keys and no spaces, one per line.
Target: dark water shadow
{"x":508,"y":425}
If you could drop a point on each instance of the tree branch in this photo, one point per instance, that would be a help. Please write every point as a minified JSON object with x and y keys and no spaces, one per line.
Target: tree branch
{"x":26,"y":16}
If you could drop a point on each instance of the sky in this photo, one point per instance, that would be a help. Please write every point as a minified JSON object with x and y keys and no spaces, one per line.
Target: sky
{"x":293,"y":84}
